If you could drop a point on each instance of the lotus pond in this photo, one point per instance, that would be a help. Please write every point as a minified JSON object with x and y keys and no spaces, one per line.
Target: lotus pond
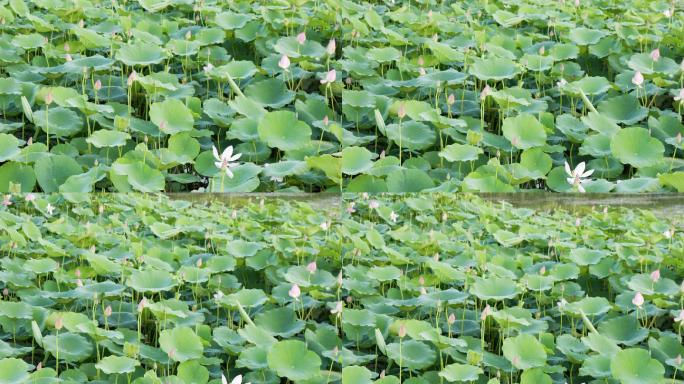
{"x":241,"y":96}
{"x":418,"y":289}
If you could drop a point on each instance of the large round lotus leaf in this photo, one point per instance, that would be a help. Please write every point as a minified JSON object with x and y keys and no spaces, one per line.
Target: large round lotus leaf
{"x":635,"y":366}
{"x":171,"y":116}
{"x":535,"y":376}
{"x":270,"y":92}
{"x":585,"y":256}
{"x":411,"y":135}
{"x":408,"y":180}
{"x":485,"y":182}
{"x":638,"y":185}
{"x":282,"y":130}
{"x":524,"y":131}
{"x":281,"y":322}
{"x":643,"y":63}
{"x":106,"y":138}
{"x":29,"y":41}
{"x":358,"y":99}
{"x":140,"y":54}
{"x":494,"y":288}
{"x":13,"y":371}
{"x":590,"y":306}
{"x":192,"y":372}
{"x":181,"y":344}
{"x":493,"y":68}
{"x":384,"y":55}
{"x":537,"y":63}
{"x":674,"y":180}
{"x":461,"y":152}
{"x":246,"y":298}
{"x":414,"y":354}
{"x":356,"y":160}
{"x":117,"y":365}
{"x":144,"y":178}
{"x":72,"y":347}
{"x":10,"y":86}
{"x":623,"y":330}
{"x":601,"y":123}
{"x":564,"y":51}
{"x":301,"y":276}
{"x":524,"y":351}
{"x":53,"y":171}
{"x":636,"y":147}
{"x":241,"y":248}
{"x":585,"y":36}
{"x":285,"y":168}
{"x":232,"y":20}
{"x":290,"y":46}
{"x":641,"y":282}
{"x":244,"y":179}
{"x":182,"y":148}
{"x":59,"y":121}
{"x":291,"y":359}
{"x":9,"y":147}
{"x":16,"y":310}
{"x":151,"y":280}
{"x":623,"y":109}
{"x":237,"y":69}
{"x":384,"y":273}
{"x":534,"y":164}
{"x":15,"y":173}
{"x":39,"y":266}
{"x":460,"y":372}
{"x":356,"y":375}
{"x":592,"y":85}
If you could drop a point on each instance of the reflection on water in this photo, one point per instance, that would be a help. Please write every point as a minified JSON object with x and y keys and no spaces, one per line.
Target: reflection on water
{"x":323,"y":200}
{"x":665,"y":203}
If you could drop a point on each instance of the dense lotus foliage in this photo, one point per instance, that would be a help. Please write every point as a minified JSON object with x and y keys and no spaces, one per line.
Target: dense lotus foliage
{"x":416,"y":289}
{"x":409,"y":95}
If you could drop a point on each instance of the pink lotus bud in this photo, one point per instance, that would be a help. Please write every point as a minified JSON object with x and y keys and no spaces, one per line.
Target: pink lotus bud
{"x":638,"y":79}
{"x":451,"y":99}
{"x":402,"y":330}
{"x":301,"y":38}
{"x":487,"y":311}
{"x":452,"y":319}
{"x":326,"y":121}
{"x":284,"y":62}
{"x":332,"y":46}
{"x":402,"y":110}
{"x":132,"y":78}
{"x":330,"y":77}
{"x":655,"y":54}
{"x":294,"y":292}
{"x":486,"y":91}
{"x":59,"y":323}
{"x":108,"y":311}
{"x":638,"y":299}
{"x":48,"y":98}
{"x":98,"y":85}
{"x":142,"y":304}
{"x":655,"y":275}
{"x":311,"y":267}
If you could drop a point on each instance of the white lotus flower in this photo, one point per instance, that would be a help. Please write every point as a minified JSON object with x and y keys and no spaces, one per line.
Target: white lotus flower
{"x":236,"y":380}
{"x":225,"y":161}
{"x":578,"y":175}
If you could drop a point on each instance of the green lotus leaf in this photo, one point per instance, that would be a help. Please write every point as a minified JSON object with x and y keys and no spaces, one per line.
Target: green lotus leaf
{"x":231,"y":20}
{"x":117,"y":365}
{"x":53,"y":171}
{"x":171,"y":116}
{"x":292,"y":360}
{"x":643,"y":63}
{"x":181,"y":344}
{"x":495,"y":69}
{"x":586,"y":36}
{"x":408,"y":180}
{"x":460,"y":372}
{"x":414,"y":354}
{"x":282,"y":130}
{"x":635,"y":366}
{"x":356,"y":375}
{"x":535,"y":376}
{"x":356,"y":160}
{"x":72,"y":347}
{"x":460,"y":152}
{"x":494,"y":288}
{"x":623,"y":109}
{"x":524,"y":351}
{"x":13,"y":371}
{"x":9,"y":147}
{"x":623,"y":330}
{"x":140,"y":54}
{"x":271,"y":93}
{"x":384,"y":55}
{"x":151,"y":280}
{"x":281,"y":322}
{"x":58,"y":121}
{"x":106,"y":138}
{"x":636,"y":147}
{"x":524,"y":131}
